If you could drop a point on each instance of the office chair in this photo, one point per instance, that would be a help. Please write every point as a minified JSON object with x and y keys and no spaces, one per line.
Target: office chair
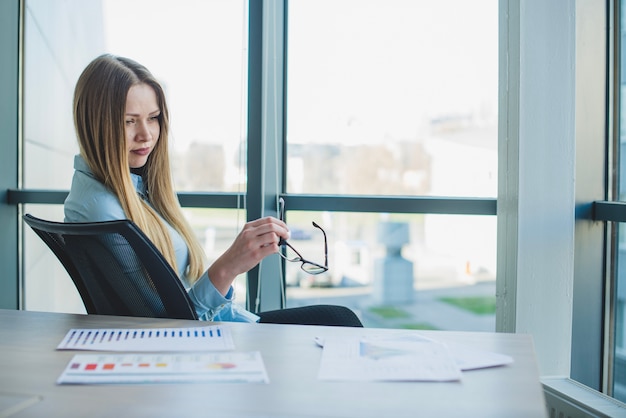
{"x":118,"y":271}
{"x":116,"y":268}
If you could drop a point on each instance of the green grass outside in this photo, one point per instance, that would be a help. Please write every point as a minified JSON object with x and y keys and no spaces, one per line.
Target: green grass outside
{"x":480,"y":305}
{"x":389,"y":312}
{"x":392,"y":312}
{"x":419,"y":326}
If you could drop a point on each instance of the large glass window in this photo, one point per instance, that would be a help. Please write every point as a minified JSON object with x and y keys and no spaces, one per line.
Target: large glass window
{"x":392,"y":97}
{"x":395,"y":98}
{"x":199,"y":56}
{"x":399,"y":270}
{"x":197,"y":50}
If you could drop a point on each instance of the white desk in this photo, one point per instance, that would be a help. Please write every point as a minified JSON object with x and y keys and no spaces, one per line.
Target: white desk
{"x":30,"y":365}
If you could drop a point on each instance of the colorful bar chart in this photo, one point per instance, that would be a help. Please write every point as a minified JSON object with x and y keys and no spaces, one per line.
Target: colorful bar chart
{"x":224,"y":367}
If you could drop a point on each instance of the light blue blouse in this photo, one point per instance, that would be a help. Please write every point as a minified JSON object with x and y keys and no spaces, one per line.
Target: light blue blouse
{"x":90,"y":201}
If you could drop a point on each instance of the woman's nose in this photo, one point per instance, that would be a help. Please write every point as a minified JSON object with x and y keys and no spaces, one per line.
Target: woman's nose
{"x":143,"y":132}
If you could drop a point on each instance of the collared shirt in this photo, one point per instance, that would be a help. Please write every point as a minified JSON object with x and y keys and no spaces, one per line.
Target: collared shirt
{"x":91,"y":201}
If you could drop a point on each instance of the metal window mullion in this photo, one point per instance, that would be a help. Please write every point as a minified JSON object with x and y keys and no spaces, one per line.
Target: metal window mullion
{"x":10,"y":109}
{"x":265,"y":137}
{"x":10,"y":41}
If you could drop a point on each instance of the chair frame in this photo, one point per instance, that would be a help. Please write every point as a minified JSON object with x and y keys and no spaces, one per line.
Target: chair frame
{"x":172,"y":292}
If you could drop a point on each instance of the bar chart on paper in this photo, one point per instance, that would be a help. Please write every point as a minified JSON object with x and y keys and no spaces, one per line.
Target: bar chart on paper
{"x":208,"y":338}
{"x":224,"y":367}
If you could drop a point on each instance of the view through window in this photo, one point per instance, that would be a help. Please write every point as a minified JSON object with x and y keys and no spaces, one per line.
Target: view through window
{"x":388,"y":98}
{"x":200,"y":58}
{"x":395,"y":98}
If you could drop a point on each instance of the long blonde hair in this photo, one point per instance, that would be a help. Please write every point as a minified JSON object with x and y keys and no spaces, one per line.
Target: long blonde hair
{"x":99,"y":109}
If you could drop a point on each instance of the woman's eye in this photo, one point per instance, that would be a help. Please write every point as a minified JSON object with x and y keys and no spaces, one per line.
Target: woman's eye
{"x":155,"y":117}
{"x":130,"y":122}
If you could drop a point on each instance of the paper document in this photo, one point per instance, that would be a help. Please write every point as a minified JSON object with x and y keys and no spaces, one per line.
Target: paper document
{"x":470,"y":359}
{"x":467,"y":358}
{"x":399,"y":359}
{"x":227,"y":367}
{"x":208,"y":338}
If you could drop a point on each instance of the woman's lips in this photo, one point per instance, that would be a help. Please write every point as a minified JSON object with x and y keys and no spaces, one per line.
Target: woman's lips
{"x":141,"y":151}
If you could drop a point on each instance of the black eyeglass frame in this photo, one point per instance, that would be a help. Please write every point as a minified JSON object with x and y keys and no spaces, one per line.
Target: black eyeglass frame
{"x":318,"y":268}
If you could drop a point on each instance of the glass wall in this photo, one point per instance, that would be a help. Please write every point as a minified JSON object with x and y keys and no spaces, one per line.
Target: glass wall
{"x":392,"y":97}
{"x":383,"y":98}
{"x":395,"y":98}
{"x":197,"y":50}
{"x":398,"y":270}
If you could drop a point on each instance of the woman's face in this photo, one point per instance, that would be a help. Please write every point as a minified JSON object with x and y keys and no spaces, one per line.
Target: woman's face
{"x":141,"y":121}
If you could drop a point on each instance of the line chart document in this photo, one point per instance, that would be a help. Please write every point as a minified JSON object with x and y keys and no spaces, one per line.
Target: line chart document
{"x":207,"y":338}
{"x":222,"y":367}
{"x":391,"y":359}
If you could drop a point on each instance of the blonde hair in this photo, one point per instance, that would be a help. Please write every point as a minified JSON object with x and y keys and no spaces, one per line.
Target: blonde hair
{"x":99,"y":109}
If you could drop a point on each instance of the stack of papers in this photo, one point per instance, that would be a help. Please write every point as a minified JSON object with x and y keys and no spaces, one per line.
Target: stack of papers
{"x":407,"y":357}
{"x":196,"y":354}
{"x":205,"y":354}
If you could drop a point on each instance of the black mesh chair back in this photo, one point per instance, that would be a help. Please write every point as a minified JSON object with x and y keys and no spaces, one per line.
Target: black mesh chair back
{"x":116,"y":268}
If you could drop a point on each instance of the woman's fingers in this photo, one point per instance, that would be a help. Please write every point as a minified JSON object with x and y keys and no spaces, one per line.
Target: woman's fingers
{"x":257,"y":240}
{"x":269,"y":225}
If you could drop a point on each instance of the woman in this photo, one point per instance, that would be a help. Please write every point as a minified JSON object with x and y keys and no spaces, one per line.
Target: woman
{"x":123,"y":172}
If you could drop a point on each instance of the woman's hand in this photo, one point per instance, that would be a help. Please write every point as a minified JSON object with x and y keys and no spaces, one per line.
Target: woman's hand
{"x":257,"y":240}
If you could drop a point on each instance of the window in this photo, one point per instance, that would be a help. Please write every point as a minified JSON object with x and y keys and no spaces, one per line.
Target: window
{"x":206,"y":92}
{"x":206,"y":89}
{"x":394,"y":98}
{"x":378,"y":111}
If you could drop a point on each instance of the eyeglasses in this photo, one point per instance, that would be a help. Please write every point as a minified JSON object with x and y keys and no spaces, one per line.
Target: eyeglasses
{"x":292,"y":255}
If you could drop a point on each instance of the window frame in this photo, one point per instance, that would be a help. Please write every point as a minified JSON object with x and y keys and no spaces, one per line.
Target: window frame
{"x":10,"y":116}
